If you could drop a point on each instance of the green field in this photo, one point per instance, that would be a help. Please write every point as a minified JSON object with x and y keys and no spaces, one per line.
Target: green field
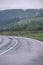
{"x":35,"y":35}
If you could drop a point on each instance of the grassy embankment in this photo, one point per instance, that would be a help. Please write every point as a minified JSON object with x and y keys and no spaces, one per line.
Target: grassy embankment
{"x":34,"y":35}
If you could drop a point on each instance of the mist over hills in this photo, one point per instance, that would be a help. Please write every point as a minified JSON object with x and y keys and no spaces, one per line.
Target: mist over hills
{"x":9,"y":18}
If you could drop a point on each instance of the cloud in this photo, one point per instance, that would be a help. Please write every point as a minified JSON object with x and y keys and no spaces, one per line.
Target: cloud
{"x":13,"y":4}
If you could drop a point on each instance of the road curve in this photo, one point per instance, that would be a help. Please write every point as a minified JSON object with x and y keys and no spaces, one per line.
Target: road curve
{"x":20,"y":51}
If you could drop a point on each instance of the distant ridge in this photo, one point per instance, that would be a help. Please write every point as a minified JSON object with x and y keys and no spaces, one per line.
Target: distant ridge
{"x":21,"y":13}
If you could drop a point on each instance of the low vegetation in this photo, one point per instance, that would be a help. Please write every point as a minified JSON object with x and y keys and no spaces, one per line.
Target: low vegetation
{"x":35,"y":35}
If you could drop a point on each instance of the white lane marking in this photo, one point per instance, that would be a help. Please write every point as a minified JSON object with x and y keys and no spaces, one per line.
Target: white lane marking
{"x":34,"y":40}
{"x":11,"y":47}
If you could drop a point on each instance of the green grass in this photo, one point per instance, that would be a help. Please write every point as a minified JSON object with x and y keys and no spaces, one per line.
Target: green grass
{"x":38,"y":36}
{"x":34,"y":35}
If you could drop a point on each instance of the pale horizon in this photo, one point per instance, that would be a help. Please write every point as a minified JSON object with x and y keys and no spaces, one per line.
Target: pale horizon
{"x":21,"y":4}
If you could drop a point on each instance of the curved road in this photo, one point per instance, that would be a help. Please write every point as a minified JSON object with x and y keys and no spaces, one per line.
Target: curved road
{"x":20,"y":51}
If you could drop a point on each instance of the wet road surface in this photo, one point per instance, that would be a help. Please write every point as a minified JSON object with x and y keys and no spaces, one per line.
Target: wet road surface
{"x":20,"y":51}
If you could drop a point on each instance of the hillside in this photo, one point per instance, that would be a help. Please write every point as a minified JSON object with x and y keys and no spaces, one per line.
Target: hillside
{"x":20,"y":13}
{"x":32,"y":24}
{"x":21,"y":20}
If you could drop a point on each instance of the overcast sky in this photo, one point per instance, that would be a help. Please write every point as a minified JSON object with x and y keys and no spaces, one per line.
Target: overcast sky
{"x":20,"y":4}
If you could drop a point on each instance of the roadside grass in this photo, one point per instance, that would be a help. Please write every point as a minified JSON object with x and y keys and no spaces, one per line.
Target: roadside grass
{"x":38,"y":36}
{"x":34,"y":35}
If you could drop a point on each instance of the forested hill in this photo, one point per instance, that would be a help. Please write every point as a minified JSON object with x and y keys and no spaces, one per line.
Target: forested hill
{"x":20,"y":13}
{"x":19,"y":19}
{"x":14,"y":15}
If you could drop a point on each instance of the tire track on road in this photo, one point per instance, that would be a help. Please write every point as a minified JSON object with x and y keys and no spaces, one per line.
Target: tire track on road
{"x":12,"y":41}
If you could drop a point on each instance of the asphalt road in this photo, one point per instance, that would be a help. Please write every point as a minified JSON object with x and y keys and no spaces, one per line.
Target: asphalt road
{"x":20,"y":51}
